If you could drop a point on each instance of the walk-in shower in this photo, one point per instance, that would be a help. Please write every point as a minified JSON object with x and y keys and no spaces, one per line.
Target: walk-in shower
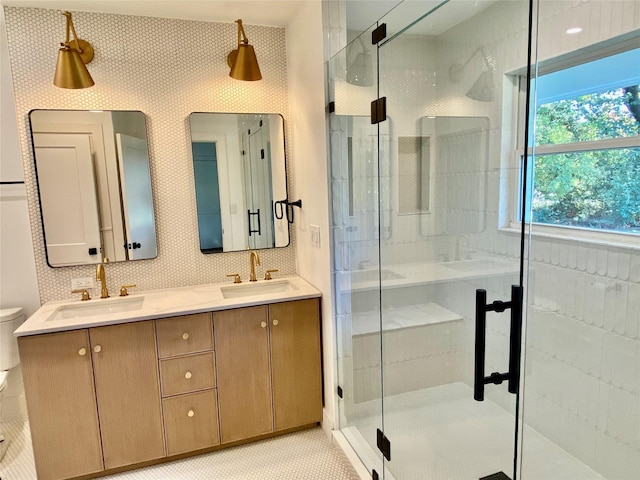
{"x":432,"y":166}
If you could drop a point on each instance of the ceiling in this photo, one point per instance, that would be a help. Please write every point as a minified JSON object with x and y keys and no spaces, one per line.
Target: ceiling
{"x":275,"y":13}
{"x":278,"y":13}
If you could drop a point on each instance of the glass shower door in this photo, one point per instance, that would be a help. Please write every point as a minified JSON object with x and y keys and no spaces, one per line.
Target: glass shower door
{"x":447,"y":350}
{"x":356,"y":227}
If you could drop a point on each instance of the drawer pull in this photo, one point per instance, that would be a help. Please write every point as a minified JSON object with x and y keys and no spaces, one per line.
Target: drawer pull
{"x":263,"y":324}
{"x":187,"y":375}
{"x":275,"y":322}
{"x":190,"y":413}
{"x":82,"y":351}
{"x":97,"y":349}
{"x":185,"y":336}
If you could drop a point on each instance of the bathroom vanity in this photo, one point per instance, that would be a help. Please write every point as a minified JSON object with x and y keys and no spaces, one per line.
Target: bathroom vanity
{"x":129,"y":381}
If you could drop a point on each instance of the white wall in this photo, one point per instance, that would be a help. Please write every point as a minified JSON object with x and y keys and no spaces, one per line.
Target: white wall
{"x":307,"y":104}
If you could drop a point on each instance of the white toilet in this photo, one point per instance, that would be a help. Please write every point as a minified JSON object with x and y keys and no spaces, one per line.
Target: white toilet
{"x":10,"y":320}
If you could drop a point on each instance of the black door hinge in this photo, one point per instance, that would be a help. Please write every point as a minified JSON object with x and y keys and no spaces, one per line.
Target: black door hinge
{"x":340,"y":391}
{"x":331,"y":107}
{"x":496,"y":476}
{"x":262,"y":153}
{"x":378,"y":110}
{"x":380,"y":33}
{"x":374,"y":475}
{"x":384,"y":445}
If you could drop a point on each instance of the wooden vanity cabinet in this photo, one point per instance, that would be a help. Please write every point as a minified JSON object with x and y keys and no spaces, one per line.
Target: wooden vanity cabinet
{"x":63,"y":414}
{"x":93,"y":399}
{"x":296,"y":363}
{"x":269,"y":368}
{"x":125,"y":369}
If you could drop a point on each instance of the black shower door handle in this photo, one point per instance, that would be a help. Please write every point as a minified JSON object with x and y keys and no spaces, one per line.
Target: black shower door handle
{"x":515,"y":337}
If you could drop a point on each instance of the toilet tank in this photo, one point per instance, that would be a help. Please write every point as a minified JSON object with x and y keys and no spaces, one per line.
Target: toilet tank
{"x":10,"y":320}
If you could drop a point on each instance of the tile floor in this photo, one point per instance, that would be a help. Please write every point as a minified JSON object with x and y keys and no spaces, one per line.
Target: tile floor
{"x":305,"y":455}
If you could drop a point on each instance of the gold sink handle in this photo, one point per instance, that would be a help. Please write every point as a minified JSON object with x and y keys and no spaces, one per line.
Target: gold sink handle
{"x":236,"y":277}
{"x":83,"y":291}
{"x":123,"y":289}
{"x":267,"y":274}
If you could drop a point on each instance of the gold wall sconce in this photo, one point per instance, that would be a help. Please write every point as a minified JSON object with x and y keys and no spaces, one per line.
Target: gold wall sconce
{"x":243,"y":61}
{"x":71,"y":70}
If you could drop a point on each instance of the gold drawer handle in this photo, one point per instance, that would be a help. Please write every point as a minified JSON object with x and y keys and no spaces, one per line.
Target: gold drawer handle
{"x":185,"y":336}
{"x":187,"y":375}
{"x":190,"y":413}
{"x":97,"y":349}
{"x":275,"y":322}
{"x":263,"y":324}
{"x":82,"y":352}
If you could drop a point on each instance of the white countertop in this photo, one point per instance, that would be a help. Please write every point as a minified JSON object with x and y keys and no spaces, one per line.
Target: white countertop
{"x":160,"y":304}
{"x":410,"y":274}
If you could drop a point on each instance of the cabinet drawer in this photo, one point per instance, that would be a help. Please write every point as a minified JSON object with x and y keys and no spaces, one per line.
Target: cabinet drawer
{"x":187,"y":374}
{"x":183,"y":335}
{"x":191,"y":422}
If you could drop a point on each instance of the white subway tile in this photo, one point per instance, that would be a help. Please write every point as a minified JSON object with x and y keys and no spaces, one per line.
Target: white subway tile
{"x":572,"y":256}
{"x":609,"y":313}
{"x":601,"y":261}
{"x":603,"y":407}
{"x":624,"y":262}
{"x":592,"y":260}
{"x":632,"y":321}
{"x":581,"y":257}
{"x":612,"y":263}
{"x":580,"y":295}
{"x":634,"y":267}
{"x":622,"y":291}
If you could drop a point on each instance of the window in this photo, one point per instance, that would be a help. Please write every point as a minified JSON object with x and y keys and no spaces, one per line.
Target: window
{"x":585,"y":163}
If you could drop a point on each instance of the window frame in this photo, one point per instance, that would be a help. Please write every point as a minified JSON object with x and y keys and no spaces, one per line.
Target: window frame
{"x":567,"y":232}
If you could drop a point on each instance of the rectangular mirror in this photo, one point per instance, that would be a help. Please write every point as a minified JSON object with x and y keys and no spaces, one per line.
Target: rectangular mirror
{"x":240,"y":173}
{"x":94,"y":185}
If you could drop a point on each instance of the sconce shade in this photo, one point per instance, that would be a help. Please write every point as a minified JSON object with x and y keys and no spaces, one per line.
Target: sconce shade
{"x":245,"y":66}
{"x":360,"y":72}
{"x":243,"y":61}
{"x":71,"y":72}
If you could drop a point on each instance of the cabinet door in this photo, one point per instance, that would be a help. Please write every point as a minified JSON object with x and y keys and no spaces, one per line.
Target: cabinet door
{"x":244,"y":384}
{"x":296,"y":364}
{"x":63,"y":417}
{"x":127,"y":389}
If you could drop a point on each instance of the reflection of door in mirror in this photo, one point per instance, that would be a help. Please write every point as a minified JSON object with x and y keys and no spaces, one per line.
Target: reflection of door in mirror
{"x":135,"y":183}
{"x":257,"y":170}
{"x":205,"y":170}
{"x":239,"y":171}
{"x":101,"y":128}
{"x":72,"y":234}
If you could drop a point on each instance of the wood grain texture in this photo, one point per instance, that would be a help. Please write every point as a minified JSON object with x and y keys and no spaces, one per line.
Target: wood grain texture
{"x":244,"y":383}
{"x":63,"y":415}
{"x":171,"y":331}
{"x":296,"y":363}
{"x":128,"y":392}
{"x":201,"y":374}
{"x":185,"y":433}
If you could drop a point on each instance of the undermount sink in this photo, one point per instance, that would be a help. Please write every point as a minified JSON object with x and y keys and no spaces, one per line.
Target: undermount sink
{"x":264,"y":287}
{"x":99,"y":307}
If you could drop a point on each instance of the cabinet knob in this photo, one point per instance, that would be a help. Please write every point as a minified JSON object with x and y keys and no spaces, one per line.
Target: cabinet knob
{"x":275,"y":321}
{"x":187,"y":375}
{"x":263,"y":324}
{"x":82,"y":351}
{"x":97,"y":349}
{"x":185,"y":336}
{"x":190,"y":413}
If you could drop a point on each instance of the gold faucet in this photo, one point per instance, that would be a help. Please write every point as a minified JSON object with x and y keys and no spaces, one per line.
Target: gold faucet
{"x":254,"y":260}
{"x":100,"y":276}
